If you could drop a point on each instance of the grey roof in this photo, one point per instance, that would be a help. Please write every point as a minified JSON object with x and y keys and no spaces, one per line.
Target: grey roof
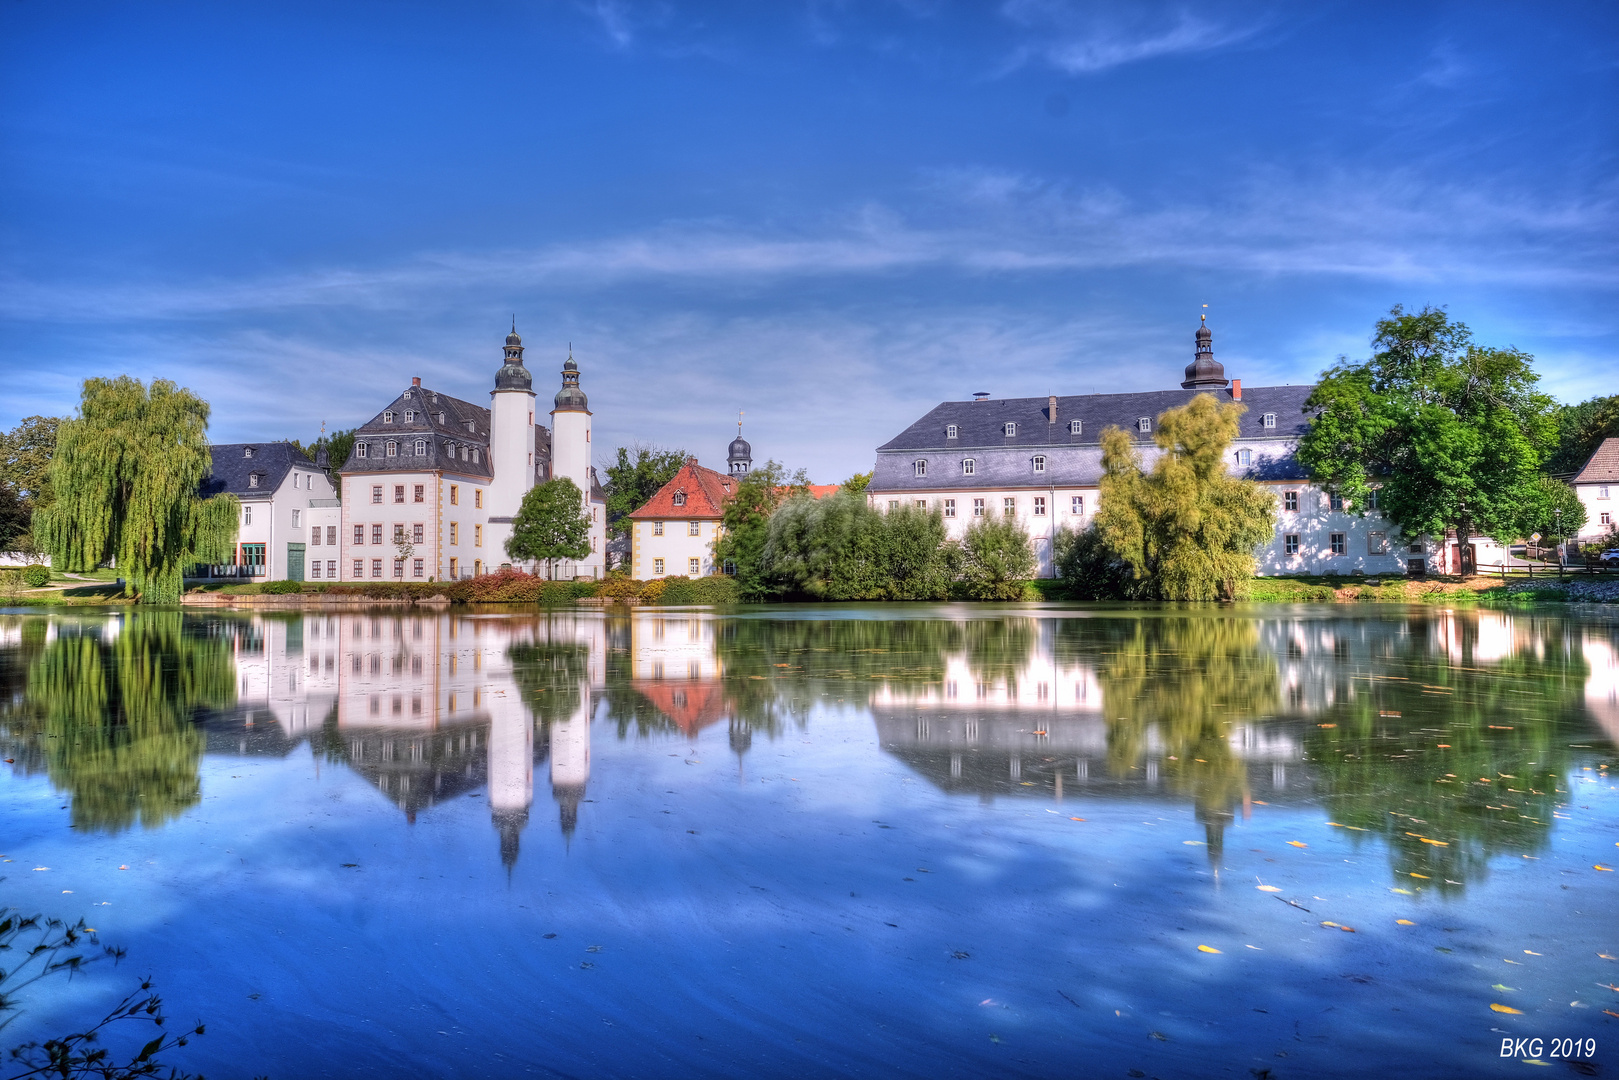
{"x":1603,"y":468}
{"x":980,"y":424}
{"x":462,"y":423}
{"x":1002,"y":461}
{"x":232,"y":469}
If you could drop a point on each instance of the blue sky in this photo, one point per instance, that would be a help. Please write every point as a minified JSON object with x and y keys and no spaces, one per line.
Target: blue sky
{"x":831,"y":215}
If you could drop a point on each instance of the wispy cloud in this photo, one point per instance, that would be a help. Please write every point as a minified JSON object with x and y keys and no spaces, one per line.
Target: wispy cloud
{"x":1084,"y":40}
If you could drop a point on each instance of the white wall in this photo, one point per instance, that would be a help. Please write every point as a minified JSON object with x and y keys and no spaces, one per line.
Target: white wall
{"x":676,"y":547}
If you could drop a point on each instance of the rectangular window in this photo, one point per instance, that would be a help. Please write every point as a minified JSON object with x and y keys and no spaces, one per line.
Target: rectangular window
{"x":950,"y":508}
{"x":1039,"y":506}
{"x":376,"y":567}
{"x":416,"y":532}
{"x":1373,"y":499}
{"x":359,"y":534}
{"x":1607,"y":518}
{"x":1008,"y":507}
{"x":1076,"y":427}
{"x":920,"y":466}
{"x":455,"y":495}
{"x":410,"y":416}
{"x":376,"y":534}
{"x":730,"y":567}
{"x":314,"y":536}
{"x":455,"y":533}
{"x":969,"y":467}
{"x":331,"y":569}
{"x":247,"y":515}
{"x":1270,"y":419}
{"x":359,"y":572}
{"x":657,"y":566}
{"x":418,"y":567}
{"x":657,"y":528}
{"x":1245,"y":457}
{"x":1290,"y":543}
{"x":1039,"y":463}
{"x":399,"y":568}
{"x":331,"y":534}
{"x":693,"y":528}
{"x":477,"y":498}
{"x":475,"y":450}
{"x":314,"y":570}
{"x":1290,"y":500}
{"x":1010,"y":429}
{"x":921,"y":504}
{"x":359,"y":450}
{"x":393,"y":448}
{"x":1416,"y":549}
{"x":1339,"y":547}
{"x":399,"y":533}
{"x":421,"y":447}
{"x":978,"y":508}
{"x":376,"y":493}
{"x":1144,"y":424}
{"x":387,"y":418}
{"x":1377,"y":543}
{"x":477,"y":536}
{"x":893,"y":504}
{"x":455,"y":569}
{"x":1602,"y":491}
{"x":950,"y":431}
{"x":418,"y":493}
{"x":399,"y":493}
{"x":1335,"y":501}
{"x":695,"y":565}
{"x":1076,"y":505}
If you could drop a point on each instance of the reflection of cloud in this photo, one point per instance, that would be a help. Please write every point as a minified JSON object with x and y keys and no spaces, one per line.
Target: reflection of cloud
{"x":1079,"y":41}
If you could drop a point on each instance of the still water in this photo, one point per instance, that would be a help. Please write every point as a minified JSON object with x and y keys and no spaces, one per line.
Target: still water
{"x":922,"y":841}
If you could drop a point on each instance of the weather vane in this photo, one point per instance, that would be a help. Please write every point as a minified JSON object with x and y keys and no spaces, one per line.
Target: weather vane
{"x":1205,"y":316}
{"x":739,"y":423}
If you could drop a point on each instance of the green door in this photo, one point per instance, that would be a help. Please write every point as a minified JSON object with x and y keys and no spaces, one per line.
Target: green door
{"x":295,"y":562}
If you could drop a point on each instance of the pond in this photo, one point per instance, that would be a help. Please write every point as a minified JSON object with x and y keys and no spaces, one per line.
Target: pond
{"x":932,"y":841}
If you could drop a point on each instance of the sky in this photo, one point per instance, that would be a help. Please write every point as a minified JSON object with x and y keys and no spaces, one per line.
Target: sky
{"x":827,"y":215}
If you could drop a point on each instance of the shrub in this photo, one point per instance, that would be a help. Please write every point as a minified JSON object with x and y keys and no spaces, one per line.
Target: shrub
{"x":36,"y":575}
{"x":280,"y":588}
{"x":1088,"y":569}
{"x":705,"y":590}
{"x":997,"y":559}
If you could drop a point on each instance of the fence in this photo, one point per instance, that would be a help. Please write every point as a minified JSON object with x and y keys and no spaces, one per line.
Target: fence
{"x":1530,"y":570}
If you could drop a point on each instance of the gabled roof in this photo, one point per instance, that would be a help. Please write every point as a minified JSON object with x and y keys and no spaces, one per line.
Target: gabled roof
{"x":706,"y":493}
{"x":232,"y":469}
{"x":1603,"y":468}
{"x":982,"y":424}
{"x":462,"y":423}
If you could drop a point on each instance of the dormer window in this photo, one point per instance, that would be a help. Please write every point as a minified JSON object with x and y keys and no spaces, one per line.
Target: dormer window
{"x":449,"y":448}
{"x":1039,"y":463}
{"x":1144,"y":424}
{"x":921,"y":466}
{"x":470,"y":429}
{"x":393,"y":448}
{"x":359,"y":449}
{"x":247,"y":452}
{"x":1245,"y":457}
{"x":1076,"y":427}
{"x":1010,"y":429}
{"x":421,"y":447}
{"x":388,"y":417}
{"x":410,"y":416}
{"x":680,"y":498}
{"x":475,"y":455}
{"x":969,"y":467}
{"x":440,"y":414}
{"x":1270,"y":419}
{"x":253,"y":479}
{"x":950,"y":431}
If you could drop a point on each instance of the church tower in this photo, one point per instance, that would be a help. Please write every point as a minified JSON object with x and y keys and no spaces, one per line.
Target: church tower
{"x":1204,"y":372}
{"x":511,"y":444}
{"x":740,"y":458}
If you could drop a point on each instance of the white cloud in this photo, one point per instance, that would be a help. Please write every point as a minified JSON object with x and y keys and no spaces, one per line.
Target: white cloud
{"x":1082,"y":40}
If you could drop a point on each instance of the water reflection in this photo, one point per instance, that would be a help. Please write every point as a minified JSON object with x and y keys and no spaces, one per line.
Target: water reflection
{"x":1443,"y":736}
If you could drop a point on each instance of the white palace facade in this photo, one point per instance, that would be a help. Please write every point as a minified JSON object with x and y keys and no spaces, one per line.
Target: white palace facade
{"x":433,"y":482}
{"x":1040,"y":460}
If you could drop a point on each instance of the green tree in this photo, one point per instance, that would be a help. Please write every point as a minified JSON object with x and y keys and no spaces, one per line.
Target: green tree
{"x":745,"y":523}
{"x":637,"y":473}
{"x":25,"y":486}
{"x":856,"y":484}
{"x":551,"y":524}
{"x":840,"y":548}
{"x":1088,"y":567}
{"x":338,"y":445}
{"x":1452,"y":433}
{"x":997,"y":559}
{"x":14,"y":519}
{"x":1549,"y":496}
{"x":1580,"y":430}
{"x":125,"y":476}
{"x":1187,"y":530}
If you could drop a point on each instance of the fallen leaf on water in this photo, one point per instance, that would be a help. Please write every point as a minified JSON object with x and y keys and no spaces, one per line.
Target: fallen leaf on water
{"x":1403,"y":892}
{"x":41,"y":868}
{"x":1256,"y":948}
{"x":1609,"y":986}
{"x":1610,"y":1012}
{"x":1404,"y":922}
{"x":1159,"y":1035}
{"x":1207,"y":948}
{"x":1504,"y":989}
{"x":1444,"y":746}
{"x":1436,"y":843}
{"x":1532,"y":952}
{"x":1599,"y":866}
{"x":123,"y":868}
{"x":1506,"y":1009}
{"x":1326,"y":725}
{"x":1076,"y":819}
{"x":1298,"y":843}
{"x":1267,"y":888}
{"x":1504,"y":960}
{"x":1261,"y":802}
{"x":1605,"y":956}
{"x":1424,"y":877}
{"x":995,"y":1038}
{"x":1199,"y":843}
{"x":1332,"y":924}
{"x":1536,"y":1061}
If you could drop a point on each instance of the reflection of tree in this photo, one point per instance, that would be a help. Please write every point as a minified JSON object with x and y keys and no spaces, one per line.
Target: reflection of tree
{"x":1382,"y":771}
{"x":1180,"y":682}
{"x":117,"y":716}
{"x":549,"y":675}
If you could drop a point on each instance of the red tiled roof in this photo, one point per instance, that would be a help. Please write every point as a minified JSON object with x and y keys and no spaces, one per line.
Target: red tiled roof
{"x":821,"y":491}
{"x":691,"y":705}
{"x":1603,"y":468}
{"x":706,"y":493}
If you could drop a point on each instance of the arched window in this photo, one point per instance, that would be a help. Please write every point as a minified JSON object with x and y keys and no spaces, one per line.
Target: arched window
{"x":680,"y":498}
{"x":921,"y":466}
{"x":968,"y":467}
{"x":1039,"y":463}
{"x":475,"y":455}
{"x":449,"y":448}
{"x":393,"y":448}
{"x":1010,"y":429}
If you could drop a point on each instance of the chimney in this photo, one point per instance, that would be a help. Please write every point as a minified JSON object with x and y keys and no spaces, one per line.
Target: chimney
{"x":1236,"y":389}
{"x":415,"y":381}
{"x":1051,"y":409}
{"x":980,"y":395}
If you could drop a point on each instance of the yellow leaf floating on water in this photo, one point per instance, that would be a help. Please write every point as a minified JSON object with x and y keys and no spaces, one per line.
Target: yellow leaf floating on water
{"x":1424,"y":877}
{"x":1076,"y":819}
{"x":1207,"y":948}
{"x":1298,"y":843}
{"x":1404,"y":922}
{"x":1605,"y":956}
{"x":1506,"y":1009}
{"x":1531,"y":952}
{"x":1267,"y":888}
{"x":1403,"y":892}
{"x":1599,"y":866}
{"x":1436,"y":843}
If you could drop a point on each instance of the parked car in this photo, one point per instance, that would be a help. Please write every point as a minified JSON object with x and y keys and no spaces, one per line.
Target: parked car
{"x":1610,"y":557}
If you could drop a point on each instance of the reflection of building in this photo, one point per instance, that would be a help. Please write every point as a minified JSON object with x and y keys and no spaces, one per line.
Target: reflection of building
{"x":675,"y":666}
{"x":1602,"y":684}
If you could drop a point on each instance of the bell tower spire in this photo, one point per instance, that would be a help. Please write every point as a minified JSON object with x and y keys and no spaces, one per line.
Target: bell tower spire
{"x":1204,"y":372}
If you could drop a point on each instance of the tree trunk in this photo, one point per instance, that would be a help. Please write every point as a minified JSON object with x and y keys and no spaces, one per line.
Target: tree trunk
{"x":1464,"y":548}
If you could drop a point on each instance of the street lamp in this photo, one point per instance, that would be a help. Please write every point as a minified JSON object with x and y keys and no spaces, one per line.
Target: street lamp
{"x":1557,"y":516}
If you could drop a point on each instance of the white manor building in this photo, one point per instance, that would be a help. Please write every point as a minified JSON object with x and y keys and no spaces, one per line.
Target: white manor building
{"x":433,"y":482}
{"x":1040,"y":460}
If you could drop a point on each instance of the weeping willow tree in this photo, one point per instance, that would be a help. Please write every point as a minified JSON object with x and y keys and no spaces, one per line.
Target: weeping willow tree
{"x":117,"y":716}
{"x":125,"y":477}
{"x":1187,"y":529}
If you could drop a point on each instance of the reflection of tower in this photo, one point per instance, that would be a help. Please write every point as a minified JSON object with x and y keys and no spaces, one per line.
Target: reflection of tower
{"x":741,"y":737}
{"x":570,"y":761}
{"x":1214,"y":821}
{"x":511,"y":775}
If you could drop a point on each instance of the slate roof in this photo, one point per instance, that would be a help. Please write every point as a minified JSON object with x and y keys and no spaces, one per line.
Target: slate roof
{"x":1603,"y":468}
{"x":706,"y":493}
{"x":462,"y":424}
{"x":231,"y":470}
{"x":980,"y":424}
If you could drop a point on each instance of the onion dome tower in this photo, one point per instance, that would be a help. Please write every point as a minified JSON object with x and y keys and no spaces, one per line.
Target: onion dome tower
{"x":740,"y":457}
{"x":570,"y":398}
{"x":1204,"y":372}
{"x":512,"y":374}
